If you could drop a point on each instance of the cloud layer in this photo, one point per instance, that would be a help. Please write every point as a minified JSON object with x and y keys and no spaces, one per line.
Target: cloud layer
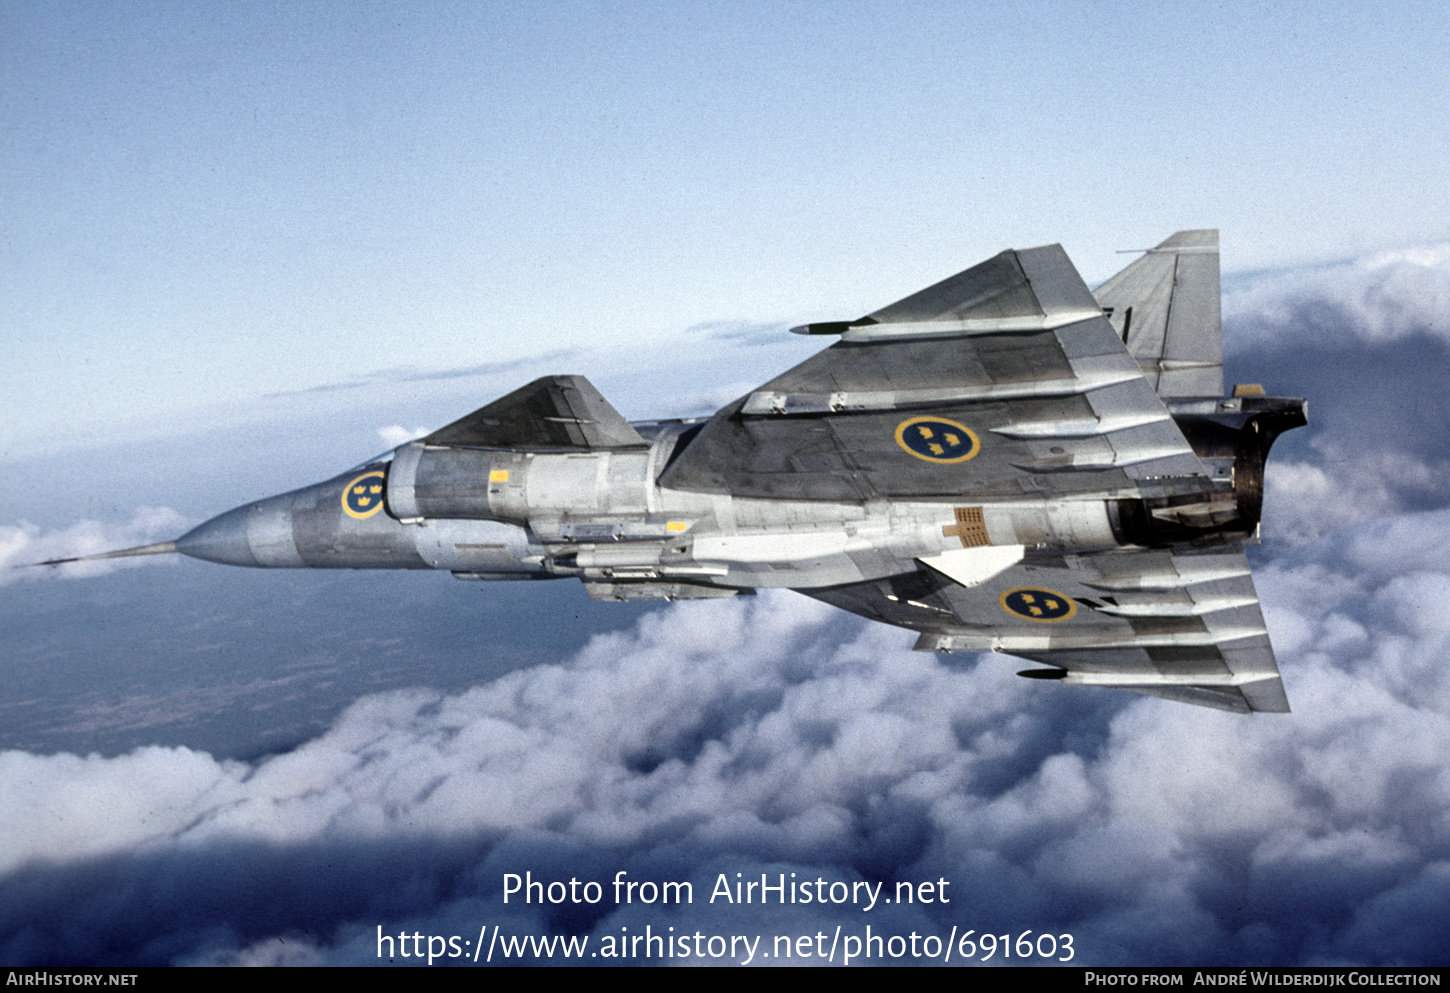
{"x":1376,"y":299}
{"x":773,"y":734}
{"x":779,"y":735}
{"x":1368,"y":343}
{"x":25,"y":544}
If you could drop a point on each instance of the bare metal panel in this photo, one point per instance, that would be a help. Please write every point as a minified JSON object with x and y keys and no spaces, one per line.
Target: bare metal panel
{"x":402,"y":471}
{"x":448,"y":482}
{"x":857,"y":456}
{"x":800,"y":435}
{"x":995,"y":288}
{"x":270,"y":528}
{"x":478,"y":547}
{"x":646,"y":590}
{"x":564,"y":482}
{"x":1182,"y":626}
{"x":1166,"y":306}
{"x":552,"y":413}
{"x":326,"y":537}
{"x":1055,"y":281}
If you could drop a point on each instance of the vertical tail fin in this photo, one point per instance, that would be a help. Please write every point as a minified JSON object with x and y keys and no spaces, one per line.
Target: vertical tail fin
{"x":1165,"y":307}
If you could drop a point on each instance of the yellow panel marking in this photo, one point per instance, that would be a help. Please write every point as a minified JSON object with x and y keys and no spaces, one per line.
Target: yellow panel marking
{"x":498,"y":476}
{"x":676,"y":526}
{"x":970,"y":527}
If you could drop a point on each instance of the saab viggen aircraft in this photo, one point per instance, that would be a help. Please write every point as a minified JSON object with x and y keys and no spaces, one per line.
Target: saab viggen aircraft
{"x":1004,"y":461}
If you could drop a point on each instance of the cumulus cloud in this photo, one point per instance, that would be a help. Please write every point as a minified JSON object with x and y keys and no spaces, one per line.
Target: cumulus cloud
{"x":25,"y":544}
{"x":1305,"y":500}
{"x":1377,"y":298}
{"x":395,"y":434}
{"x":1367,"y":342}
{"x":778,"y":735}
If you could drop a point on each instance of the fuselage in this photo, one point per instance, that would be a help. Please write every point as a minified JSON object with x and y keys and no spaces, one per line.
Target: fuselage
{"x":601,"y":516}
{"x":1001,"y":461}
{"x":492,"y":514}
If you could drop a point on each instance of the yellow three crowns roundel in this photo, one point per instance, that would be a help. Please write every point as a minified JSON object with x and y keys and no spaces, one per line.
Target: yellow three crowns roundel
{"x":1037,"y":603}
{"x":937,"y":439}
{"x":363,"y":497}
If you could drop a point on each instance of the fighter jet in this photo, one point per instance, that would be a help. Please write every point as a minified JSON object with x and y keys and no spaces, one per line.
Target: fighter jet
{"x":1005,"y":461}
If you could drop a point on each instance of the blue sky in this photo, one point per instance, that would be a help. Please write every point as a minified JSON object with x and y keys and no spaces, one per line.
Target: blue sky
{"x":208,"y":203}
{"x":244,"y":244}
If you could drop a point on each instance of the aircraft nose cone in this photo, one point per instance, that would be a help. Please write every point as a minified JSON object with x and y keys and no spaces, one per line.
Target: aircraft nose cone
{"x":222,"y":539}
{"x":256,"y":534}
